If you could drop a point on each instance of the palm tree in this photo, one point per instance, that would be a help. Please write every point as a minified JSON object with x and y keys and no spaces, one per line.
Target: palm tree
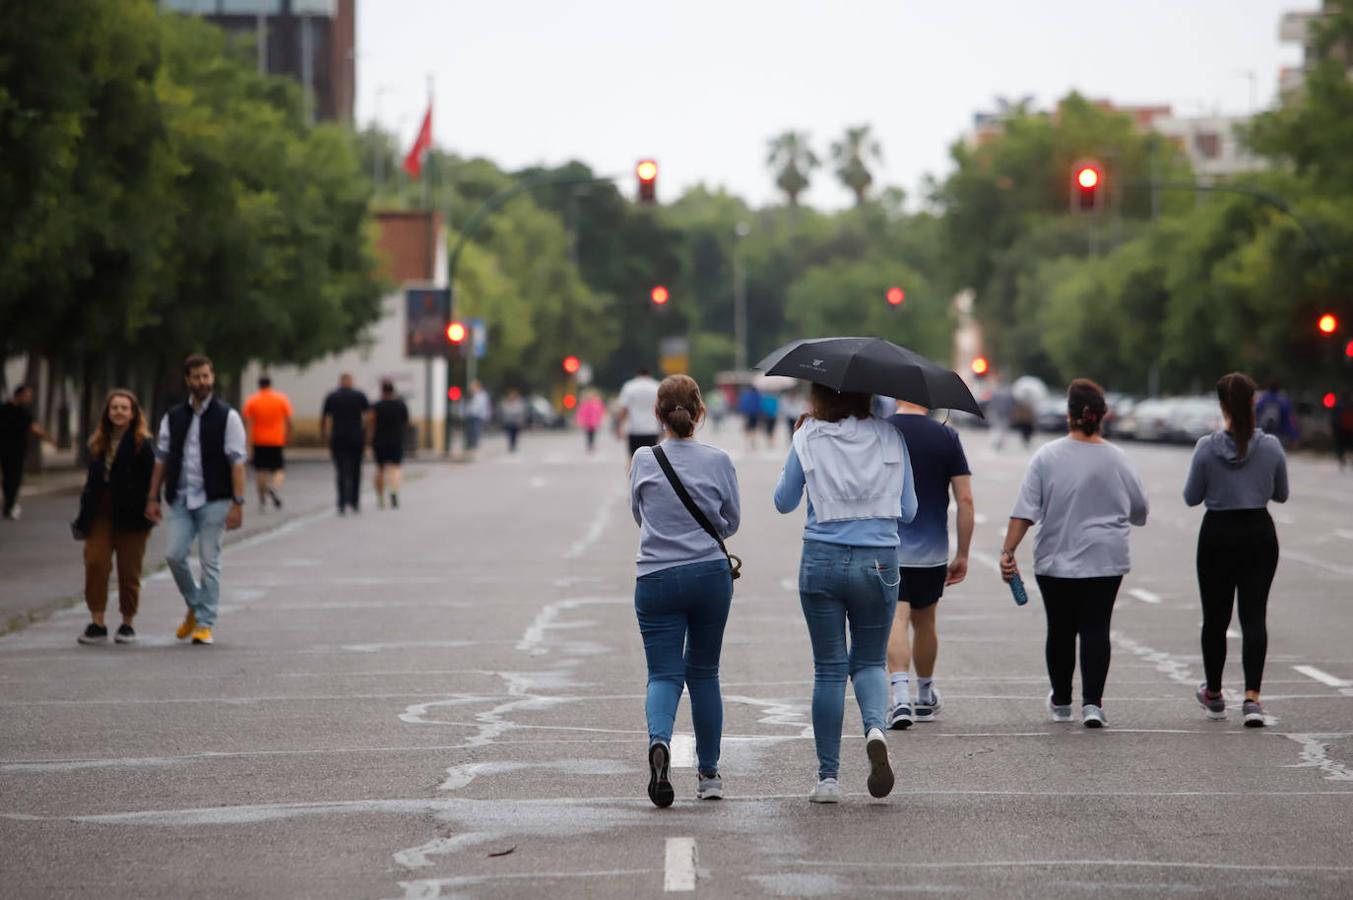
{"x":792,"y":160}
{"x":852,"y":156}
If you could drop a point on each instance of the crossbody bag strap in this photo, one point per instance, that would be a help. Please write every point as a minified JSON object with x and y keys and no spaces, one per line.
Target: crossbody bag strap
{"x":696,"y":513}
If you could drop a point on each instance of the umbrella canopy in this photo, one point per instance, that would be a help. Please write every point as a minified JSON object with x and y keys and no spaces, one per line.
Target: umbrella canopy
{"x":872,"y":366}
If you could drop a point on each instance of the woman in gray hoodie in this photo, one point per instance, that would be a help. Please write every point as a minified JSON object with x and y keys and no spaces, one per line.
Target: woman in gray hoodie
{"x":1236,"y":472}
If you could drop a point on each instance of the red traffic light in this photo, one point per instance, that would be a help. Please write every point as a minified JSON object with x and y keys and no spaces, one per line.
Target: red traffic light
{"x":647,"y":171}
{"x":455,"y":332}
{"x":660,"y":295}
{"x":896,"y":295}
{"x":1329,"y":400}
{"x":1348,"y":351}
{"x":1087,"y":178}
{"x":980,"y":365}
{"x":1328,"y":323}
{"x":572,"y":364}
{"x":453,"y":393}
{"x":570,"y":401}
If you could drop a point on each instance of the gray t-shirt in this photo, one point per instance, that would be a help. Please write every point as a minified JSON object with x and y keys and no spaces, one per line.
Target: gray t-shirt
{"x":1085,"y":498}
{"x":668,"y":534}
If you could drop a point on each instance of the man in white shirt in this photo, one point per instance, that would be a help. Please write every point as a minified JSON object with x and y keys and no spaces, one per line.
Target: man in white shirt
{"x":638,"y":418}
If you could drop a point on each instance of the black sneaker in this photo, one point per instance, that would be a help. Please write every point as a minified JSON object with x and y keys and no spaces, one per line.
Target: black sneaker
{"x":394,"y":500}
{"x":659,"y":786}
{"x":125,"y":634}
{"x":901,"y":717}
{"x":276,"y":500}
{"x":94,"y":634}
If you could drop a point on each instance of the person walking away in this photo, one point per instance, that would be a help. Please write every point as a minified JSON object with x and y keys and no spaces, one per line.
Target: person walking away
{"x":856,"y":472}
{"x":939,"y":466}
{"x":268,"y":414}
{"x":199,"y":461}
{"x":1235,"y":472}
{"x":512,"y":416}
{"x":589,"y":417}
{"x":1085,"y":496}
{"x":792,"y":406}
{"x":390,"y":419}
{"x":1341,"y":427}
{"x":16,"y":424}
{"x":1274,"y":415}
{"x":477,"y":414}
{"x":684,"y":584}
{"x":717,"y":404}
{"x":770,"y":415}
{"x":636,"y":420}
{"x":1000,"y":409}
{"x":1022,"y":417}
{"x":344,"y":425}
{"x":112,"y":518}
{"x":749,"y":407}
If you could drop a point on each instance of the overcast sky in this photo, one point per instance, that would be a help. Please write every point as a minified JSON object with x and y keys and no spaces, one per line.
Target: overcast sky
{"x":701,"y":85}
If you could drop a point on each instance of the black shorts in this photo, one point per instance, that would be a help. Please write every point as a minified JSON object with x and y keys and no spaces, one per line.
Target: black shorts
{"x":388,"y":454}
{"x":922,"y":588}
{"x":268,"y":459}
{"x":642,"y":440}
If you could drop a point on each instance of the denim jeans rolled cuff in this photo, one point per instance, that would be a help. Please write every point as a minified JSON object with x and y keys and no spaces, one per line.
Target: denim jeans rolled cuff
{"x":205,"y":526}
{"x":844,"y":589}
{"x":682,"y":612}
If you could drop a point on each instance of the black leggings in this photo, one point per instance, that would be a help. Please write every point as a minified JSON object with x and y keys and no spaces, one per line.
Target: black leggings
{"x":1237,"y":557}
{"x":1084,"y":607}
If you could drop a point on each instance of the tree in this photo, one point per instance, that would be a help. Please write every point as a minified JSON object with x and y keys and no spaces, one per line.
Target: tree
{"x":792,"y":160}
{"x":852,"y":156}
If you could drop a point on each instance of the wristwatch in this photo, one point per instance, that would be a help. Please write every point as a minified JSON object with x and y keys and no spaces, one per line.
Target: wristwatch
{"x":239,"y":501}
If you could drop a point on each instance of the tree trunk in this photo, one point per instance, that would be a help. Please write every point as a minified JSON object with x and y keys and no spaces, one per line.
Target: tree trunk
{"x":33,"y":378}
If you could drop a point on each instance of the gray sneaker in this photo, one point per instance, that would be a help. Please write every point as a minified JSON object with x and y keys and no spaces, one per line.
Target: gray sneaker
{"x":828,"y":790}
{"x":1058,"y":711}
{"x":710,"y":787}
{"x":1253,"y":713}
{"x":1093,"y":716}
{"x":1214,"y":706}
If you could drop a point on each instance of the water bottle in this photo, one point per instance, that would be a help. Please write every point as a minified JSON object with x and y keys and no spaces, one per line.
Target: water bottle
{"x":1017,"y":589}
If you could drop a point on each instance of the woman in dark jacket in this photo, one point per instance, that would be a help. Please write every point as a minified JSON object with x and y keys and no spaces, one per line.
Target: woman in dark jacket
{"x":112,"y":513}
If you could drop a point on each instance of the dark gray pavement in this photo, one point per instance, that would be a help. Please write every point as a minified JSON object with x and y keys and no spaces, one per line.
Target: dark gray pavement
{"x":447,"y":701}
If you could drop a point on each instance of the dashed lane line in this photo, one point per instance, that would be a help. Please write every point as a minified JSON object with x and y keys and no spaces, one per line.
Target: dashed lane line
{"x":1145,"y":596}
{"x":679,"y":870}
{"x":1323,"y":677}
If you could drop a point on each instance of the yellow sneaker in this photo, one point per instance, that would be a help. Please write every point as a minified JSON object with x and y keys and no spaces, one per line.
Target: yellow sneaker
{"x":187,"y":627}
{"x":202,"y":635}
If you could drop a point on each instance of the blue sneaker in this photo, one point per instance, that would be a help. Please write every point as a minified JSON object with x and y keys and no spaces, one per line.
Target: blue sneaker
{"x":901,"y":717}
{"x":928,"y":708}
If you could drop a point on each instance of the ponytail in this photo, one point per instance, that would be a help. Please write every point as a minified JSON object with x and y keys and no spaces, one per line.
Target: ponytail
{"x":680,"y":404}
{"x":1236,"y":394}
{"x":1086,"y":406}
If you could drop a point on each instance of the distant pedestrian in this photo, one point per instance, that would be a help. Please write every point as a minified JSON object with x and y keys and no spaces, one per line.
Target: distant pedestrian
{"x":591,"y":413}
{"x":749,"y":407}
{"x":857,"y":475}
{"x":16,"y":424}
{"x":940,"y":467}
{"x":344,"y":425}
{"x":512,"y":415}
{"x":1000,"y":409}
{"x":1023,"y":415}
{"x":268,"y":414}
{"x":684,"y":584}
{"x":717,"y":404}
{"x":1341,"y":428}
{"x":1275,"y":415}
{"x":112,"y":519}
{"x":1085,"y":497}
{"x":770,"y":415}
{"x":1235,"y":472}
{"x":199,"y":461}
{"x":477,"y":414}
{"x":636,"y":419}
{"x":390,"y":419}
{"x":792,"y":405}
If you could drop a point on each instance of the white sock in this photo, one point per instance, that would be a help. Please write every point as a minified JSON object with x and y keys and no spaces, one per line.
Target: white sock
{"x":923,"y":692}
{"x":901,"y":688}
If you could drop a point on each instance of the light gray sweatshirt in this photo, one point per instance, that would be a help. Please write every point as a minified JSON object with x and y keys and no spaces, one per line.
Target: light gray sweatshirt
{"x":1221,"y":479}
{"x":668,"y":534}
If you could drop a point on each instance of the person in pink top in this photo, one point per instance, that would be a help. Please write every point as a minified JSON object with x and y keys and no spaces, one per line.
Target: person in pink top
{"x":589,"y":416}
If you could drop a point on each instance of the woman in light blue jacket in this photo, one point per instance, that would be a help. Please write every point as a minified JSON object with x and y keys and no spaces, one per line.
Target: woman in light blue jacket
{"x":857,"y":475}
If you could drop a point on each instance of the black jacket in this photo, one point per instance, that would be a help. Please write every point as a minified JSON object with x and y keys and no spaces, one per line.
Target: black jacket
{"x":129,"y":483}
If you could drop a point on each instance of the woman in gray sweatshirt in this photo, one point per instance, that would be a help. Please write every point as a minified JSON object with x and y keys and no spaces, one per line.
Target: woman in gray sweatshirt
{"x":1236,"y":472}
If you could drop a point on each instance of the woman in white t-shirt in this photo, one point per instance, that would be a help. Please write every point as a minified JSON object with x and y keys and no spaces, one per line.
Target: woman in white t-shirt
{"x":1085,"y":496}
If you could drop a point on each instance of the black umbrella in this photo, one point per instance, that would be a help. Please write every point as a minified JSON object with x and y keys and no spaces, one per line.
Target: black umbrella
{"x":872,"y":366}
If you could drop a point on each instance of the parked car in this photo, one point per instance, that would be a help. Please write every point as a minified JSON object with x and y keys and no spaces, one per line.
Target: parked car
{"x":1119,"y":406}
{"x":1191,"y":418}
{"x":1050,"y":415}
{"x":1148,"y":420}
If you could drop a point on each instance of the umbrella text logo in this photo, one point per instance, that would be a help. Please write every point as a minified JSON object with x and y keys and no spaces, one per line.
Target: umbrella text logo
{"x":815,"y":365}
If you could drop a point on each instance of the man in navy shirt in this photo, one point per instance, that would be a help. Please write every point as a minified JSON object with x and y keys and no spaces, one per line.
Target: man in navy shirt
{"x":939,"y":466}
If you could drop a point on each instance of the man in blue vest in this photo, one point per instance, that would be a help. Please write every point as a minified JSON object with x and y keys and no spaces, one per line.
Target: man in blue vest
{"x":199,"y":459}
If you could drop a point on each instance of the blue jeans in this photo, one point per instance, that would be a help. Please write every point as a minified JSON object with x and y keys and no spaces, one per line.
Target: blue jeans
{"x":206,"y":525}
{"x":682,"y":612}
{"x":841,"y":585}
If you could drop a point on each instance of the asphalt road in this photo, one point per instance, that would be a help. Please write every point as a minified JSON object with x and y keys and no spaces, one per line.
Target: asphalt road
{"x":447,"y":700}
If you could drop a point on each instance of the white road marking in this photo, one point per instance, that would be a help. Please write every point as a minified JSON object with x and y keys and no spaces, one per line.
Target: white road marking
{"x":1145,"y":596}
{"x":683,"y":751}
{"x":1233,"y":634}
{"x":1323,"y":677}
{"x":1345,"y":533}
{"x":1317,"y":562}
{"x":1315,"y":755}
{"x":679,"y":869}
{"x":1284,"y":519}
{"x":980,"y":518}
{"x":1176,"y":668}
{"x":600,"y":520}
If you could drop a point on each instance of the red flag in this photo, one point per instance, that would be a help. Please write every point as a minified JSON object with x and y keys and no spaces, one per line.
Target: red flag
{"x":413,"y":162}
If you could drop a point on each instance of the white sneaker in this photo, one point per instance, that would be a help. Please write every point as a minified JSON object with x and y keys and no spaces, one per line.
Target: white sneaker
{"x":828,"y":790}
{"x":1093,"y":716}
{"x":880,"y":771}
{"x":1059,"y":712}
